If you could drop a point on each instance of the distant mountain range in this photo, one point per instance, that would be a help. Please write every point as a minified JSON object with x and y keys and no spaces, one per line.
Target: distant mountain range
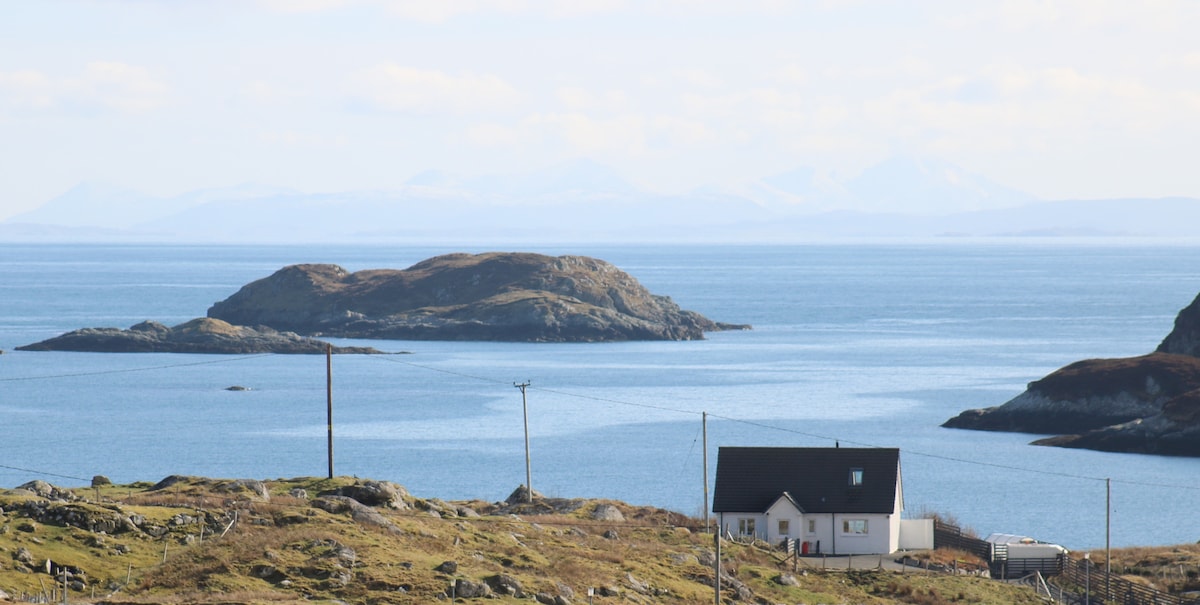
{"x":585,"y":201}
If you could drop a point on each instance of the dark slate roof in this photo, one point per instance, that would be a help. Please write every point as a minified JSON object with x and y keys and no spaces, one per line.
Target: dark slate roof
{"x":751,"y":479}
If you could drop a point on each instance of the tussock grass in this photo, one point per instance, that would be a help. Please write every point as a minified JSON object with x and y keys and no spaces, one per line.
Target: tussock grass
{"x":1174,"y":569}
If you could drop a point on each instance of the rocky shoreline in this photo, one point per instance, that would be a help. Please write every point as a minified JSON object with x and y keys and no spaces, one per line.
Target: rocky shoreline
{"x":1148,"y":404}
{"x":514,"y":297}
{"x":201,"y":335}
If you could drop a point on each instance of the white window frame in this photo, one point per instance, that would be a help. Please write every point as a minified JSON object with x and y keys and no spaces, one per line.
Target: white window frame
{"x":785,"y":527}
{"x":812,"y":526}
{"x":746,"y":526}
{"x":854,"y":527}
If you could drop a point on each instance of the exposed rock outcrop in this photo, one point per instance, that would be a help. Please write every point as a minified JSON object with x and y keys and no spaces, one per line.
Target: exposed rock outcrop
{"x":1089,"y":395}
{"x":493,"y":296}
{"x":248,"y":488}
{"x":1184,"y":339}
{"x":1148,"y":404}
{"x":201,"y":335}
{"x":1175,"y":431}
{"x":373,"y":493}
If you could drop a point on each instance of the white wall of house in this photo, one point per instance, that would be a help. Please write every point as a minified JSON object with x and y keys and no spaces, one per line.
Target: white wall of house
{"x":836,"y":534}
{"x":862,"y":534}
{"x":783,"y":521}
{"x":818,"y":532}
{"x":745,"y":524}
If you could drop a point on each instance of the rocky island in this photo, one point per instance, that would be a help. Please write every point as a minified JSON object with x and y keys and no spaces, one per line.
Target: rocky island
{"x":201,"y":335}
{"x":1148,"y":404}
{"x":493,"y":296}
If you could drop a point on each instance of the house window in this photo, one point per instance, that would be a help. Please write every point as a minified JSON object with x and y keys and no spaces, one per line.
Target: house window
{"x":854,"y":526}
{"x":856,"y":477}
{"x":812,"y":526}
{"x":746,"y":527}
{"x":784,"y":527}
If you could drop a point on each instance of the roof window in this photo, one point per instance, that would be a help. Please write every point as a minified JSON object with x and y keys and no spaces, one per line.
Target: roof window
{"x":856,"y":477}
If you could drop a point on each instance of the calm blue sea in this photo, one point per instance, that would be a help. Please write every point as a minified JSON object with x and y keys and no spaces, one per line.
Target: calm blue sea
{"x":866,"y":344}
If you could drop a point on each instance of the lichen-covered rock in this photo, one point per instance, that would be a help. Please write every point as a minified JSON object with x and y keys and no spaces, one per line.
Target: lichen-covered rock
{"x":374,"y":493}
{"x":48,"y":491}
{"x":505,"y":585}
{"x":466,"y":589}
{"x":249,"y":488}
{"x":493,"y":296}
{"x":607,"y":512}
{"x":360,"y":512}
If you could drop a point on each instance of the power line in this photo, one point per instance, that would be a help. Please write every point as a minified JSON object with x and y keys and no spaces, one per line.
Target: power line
{"x":48,"y":474}
{"x":126,"y":370}
{"x":815,"y":435}
{"x":633,"y":404}
{"x":433,"y":369}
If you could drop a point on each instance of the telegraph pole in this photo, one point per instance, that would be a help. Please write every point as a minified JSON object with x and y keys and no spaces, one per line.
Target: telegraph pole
{"x":329,"y":401}
{"x":717,"y":565}
{"x":525,"y":411}
{"x":704,"y":432}
{"x":1107,"y":535}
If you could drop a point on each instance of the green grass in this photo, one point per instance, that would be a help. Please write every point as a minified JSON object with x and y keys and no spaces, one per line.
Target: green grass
{"x":285,"y":550}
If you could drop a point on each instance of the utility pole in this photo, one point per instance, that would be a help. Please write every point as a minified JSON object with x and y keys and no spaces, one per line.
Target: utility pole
{"x":717,"y":566}
{"x":525,"y":411}
{"x":1087,"y":580}
{"x":329,"y":400}
{"x":704,"y":432}
{"x":1107,"y":535}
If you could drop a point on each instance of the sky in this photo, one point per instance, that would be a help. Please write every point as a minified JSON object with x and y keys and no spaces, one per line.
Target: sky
{"x":1062,"y":100}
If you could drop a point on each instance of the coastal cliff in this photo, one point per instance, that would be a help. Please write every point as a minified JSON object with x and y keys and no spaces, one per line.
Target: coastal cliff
{"x":1184,"y":338}
{"x":201,"y":335}
{"x":493,"y":296}
{"x":1148,"y":404}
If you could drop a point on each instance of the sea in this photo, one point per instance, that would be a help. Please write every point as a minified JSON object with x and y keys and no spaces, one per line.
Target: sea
{"x":863,"y":344}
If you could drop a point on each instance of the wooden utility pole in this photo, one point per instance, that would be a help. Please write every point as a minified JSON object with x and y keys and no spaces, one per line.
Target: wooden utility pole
{"x":1107,"y":535}
{"x":704,"y":432}
{"x":717,"y":566}
{"x":525,"y":411}
{"x":329,"y":401}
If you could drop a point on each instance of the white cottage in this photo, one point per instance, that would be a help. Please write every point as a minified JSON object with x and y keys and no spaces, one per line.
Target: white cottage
{"x":837,"y":501}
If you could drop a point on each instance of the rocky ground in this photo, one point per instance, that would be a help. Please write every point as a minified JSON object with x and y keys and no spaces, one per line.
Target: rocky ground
{"x":199,"y":540}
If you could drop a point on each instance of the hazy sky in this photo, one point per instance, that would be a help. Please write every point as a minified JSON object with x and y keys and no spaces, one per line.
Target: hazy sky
{"x":1070,"y":99}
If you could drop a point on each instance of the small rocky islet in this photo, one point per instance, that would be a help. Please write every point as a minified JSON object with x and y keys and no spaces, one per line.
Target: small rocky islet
{"x":517,"y":297}
{"x":200,"y":335}
{"x":1148,"y":404}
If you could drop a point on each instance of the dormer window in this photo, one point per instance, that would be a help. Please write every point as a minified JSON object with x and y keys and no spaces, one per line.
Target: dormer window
{"x":856,"y":477}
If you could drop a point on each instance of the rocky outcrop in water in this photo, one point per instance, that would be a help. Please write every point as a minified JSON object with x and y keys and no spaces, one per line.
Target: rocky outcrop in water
{"x":494,"y":296}
{"x":1148,"y":404}
{"x":201,"y":335}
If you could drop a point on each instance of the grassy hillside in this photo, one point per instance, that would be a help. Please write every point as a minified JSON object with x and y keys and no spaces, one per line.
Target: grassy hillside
{"x":194,"y":540}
